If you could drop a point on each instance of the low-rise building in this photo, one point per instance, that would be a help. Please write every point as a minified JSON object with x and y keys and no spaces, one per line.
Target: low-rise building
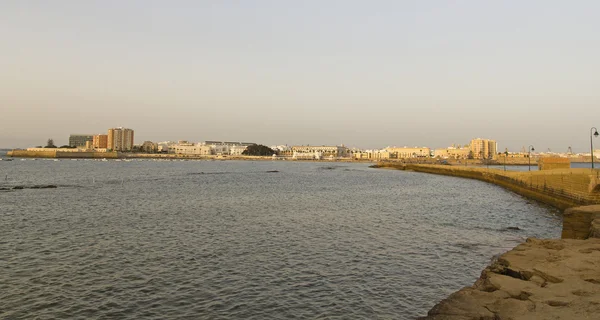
{"x":149,"y":147}
{"x":378,"y":155}
{"x":79,"y":140}
{"x":237,"y":150}
{"x":184,"y":147}
{"x":324,"y":151}
{"x":452,"y":153}
{"x":408,"y":152}
{"x":313,"y":155}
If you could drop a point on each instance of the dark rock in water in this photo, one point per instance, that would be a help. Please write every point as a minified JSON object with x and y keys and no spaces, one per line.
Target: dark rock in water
{"x":5,"y":189}
{"x":272,"y":171}
{"x":46,"y":186}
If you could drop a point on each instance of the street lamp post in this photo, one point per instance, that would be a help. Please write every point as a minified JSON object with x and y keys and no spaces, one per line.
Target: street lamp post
{"x":595,"y":134}
{"x":505,"y":156}
{"x":531,"y":148}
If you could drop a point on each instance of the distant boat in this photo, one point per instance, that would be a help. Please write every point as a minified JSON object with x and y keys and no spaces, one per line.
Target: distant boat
{"x":6,"y":159}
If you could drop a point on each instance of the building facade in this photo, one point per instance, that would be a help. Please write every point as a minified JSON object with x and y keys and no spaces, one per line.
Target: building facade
{"x":408,"y":152}
{"x":237,"y":150}
{"x":452,"y":153}
{"x":184,"y":147}
{"x":79,"y":140}
{"x":120,"y":139}
{"x":323,"y":151}
{"x":149,"y":147}
{"x":484,"y":149}
{"x":100,"y":141}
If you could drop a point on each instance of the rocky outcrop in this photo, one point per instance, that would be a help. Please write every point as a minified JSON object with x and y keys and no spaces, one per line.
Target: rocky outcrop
{"x":539,"y":279}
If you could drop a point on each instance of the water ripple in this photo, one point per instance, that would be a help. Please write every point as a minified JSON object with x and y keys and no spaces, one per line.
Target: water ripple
{"x":157,"y":240}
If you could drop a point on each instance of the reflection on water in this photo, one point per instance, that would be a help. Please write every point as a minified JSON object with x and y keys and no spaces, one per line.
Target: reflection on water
{"x":246,"y":240}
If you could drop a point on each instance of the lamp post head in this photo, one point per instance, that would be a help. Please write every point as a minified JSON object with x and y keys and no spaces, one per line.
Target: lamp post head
{"x":596,"y":134}
{"x":532,"y":149}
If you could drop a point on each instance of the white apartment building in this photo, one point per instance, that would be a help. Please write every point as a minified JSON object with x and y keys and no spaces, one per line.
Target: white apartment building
{"x":237,"y":150}
{"x":324,"y":151}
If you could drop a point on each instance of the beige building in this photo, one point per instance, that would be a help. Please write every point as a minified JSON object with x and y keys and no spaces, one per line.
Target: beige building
{"x":452,"y":153}
{"x":120,"y":139}
{"x":371,"y":155}
{"x":237,"y":150}
{"x":408,"y":152}
{"x":100,"y":141}
{"x":323,"y":151}
{"x":484,"y":148}
{"x":184,"y":147}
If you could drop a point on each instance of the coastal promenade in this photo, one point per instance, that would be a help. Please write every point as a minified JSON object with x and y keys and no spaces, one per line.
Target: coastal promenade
{"x":561,"y":188}
{"x":541,"y":278}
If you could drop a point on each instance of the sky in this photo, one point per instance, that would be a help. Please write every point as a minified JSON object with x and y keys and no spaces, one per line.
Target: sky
{"x":366,"y":74}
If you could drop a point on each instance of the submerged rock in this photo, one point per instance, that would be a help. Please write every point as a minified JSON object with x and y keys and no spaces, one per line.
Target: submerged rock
{"x":47,"y":186}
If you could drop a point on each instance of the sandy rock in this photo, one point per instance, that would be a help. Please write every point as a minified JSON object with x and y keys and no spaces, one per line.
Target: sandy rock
{"x":577,"y":221}
{"x":539,"y":279}
{"x":595,"y":229}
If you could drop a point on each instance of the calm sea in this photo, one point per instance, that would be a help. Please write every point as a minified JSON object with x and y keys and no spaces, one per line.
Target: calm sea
{"x":246,"y":240}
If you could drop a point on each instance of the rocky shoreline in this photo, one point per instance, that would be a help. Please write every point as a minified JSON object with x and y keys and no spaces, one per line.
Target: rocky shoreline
{"x":539,"y":279}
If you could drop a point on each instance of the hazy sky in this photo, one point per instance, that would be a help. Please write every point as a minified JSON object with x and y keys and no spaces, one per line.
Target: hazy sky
{"x":362,"y":73}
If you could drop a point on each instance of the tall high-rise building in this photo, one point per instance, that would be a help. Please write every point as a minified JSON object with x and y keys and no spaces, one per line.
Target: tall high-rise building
{"x":100,"y":141}
{"x":484,"y":148}
{"x":120,"y":139}
{"x":79,"y":140}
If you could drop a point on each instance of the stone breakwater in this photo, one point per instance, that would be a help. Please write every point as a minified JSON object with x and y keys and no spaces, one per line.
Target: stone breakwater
{"x":539,"y":279}
{"x":561,"y":188}
{"x":53,"y":154}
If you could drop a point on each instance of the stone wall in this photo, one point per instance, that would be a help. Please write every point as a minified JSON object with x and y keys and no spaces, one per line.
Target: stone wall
{"x":61,"y":154}
{"x":561,"y":188}
{"x":551,"y":163}
{"x":32,"y":154}
{"x":83,"y":155}
{"x":581,"y":222}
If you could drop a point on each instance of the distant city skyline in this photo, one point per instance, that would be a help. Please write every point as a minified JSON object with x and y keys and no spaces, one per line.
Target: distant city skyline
{"x":364,"y":74}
